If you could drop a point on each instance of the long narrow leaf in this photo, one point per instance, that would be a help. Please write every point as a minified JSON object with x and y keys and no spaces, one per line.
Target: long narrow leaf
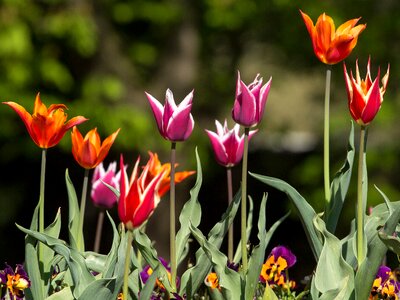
{"x":193,"y":278}
{"x":340,"y":186}
{"x":75,"y":234}
{"x":307,"y":213}
{"x":191,"y":212}
{"x":229,"y":279}
{"x":76,"y":262}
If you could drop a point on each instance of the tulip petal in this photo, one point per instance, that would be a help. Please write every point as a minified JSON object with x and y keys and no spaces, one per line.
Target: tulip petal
{"x":220,"y":153}
{"x":158,"y":111}
{"x":180,"y":125}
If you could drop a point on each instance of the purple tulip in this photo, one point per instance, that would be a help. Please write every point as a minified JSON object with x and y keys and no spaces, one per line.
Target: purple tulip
{"x":250,"y":100}
{"x":227,"y":144}
{"x":175,"y":123}
{"x":101,"y":194}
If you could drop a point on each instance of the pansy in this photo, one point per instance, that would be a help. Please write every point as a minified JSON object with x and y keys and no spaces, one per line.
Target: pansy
{"x":212,"y":281}
{"x":280,"y":259}
{"x":385,"y":285}
{"x":147,"y":271}
{"x":16,"y":281}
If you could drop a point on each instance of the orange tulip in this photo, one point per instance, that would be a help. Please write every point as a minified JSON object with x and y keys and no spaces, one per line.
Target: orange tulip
{"x":155,"y":168}
{"x":89,"y":151}
{"x":46,"y":126}
{"x":332,"y":46}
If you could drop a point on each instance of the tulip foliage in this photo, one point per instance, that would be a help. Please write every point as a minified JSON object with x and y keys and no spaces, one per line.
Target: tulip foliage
{"x":345,"y":268}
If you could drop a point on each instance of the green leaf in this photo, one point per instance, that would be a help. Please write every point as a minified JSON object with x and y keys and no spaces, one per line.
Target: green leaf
{"x":229,"y":279}
{"x":76,"y":262}
{"x":193,"y":278}
{"x":191,"y":212}
{"x":249,"y":226}
{"x":148,"y":288}
{"x":391,"y":242}
{"x":75,"y":233}
{"x":307,"y":213}
{"x":269,"y":293}
{"x":103,"y":288}
{"x":340,"y":186}
{"x":64,"y":294}
{"x":143,"y":243}
{"x":36,"y":290}
{"x":376,"y":251}
{"x":334,"y":277}
{"x":258,"y":254}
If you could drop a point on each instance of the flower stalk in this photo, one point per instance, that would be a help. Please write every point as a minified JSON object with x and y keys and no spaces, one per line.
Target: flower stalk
{"x":82,"y":208}
{"x":127,"y":263}
{"x":243,"y":215}
{"x":172,"y":229}
{"x":230,"y":196}
{"x":99,"y":229}
{"x":360,"y":196}
{"x":41,"y":199}
{"x":326,"y":137}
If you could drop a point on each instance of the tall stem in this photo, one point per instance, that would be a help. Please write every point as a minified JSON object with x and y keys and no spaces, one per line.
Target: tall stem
{"x":326,"y":138}
{"x":230,"y":231}
{"x":127,"y":263}
{"x":172,"y":229}
{"x":244,"y":201}
{"x":360,"y":204}
{"x":41,"y":200}
{"x":99,"y":230}
{"x":82,"y":209}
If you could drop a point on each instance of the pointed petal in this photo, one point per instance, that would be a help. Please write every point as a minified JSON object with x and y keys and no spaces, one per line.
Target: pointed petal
{"x":158,"y":111}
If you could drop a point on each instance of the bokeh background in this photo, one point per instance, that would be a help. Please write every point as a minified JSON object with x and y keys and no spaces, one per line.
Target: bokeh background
{"x":99,"y":56}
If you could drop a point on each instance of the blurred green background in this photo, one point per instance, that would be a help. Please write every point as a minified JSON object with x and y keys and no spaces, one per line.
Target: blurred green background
{"x":99,"y":56}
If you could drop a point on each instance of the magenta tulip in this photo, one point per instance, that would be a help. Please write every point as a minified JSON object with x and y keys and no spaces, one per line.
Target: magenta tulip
{"x":227,"y":144}
{"x":250,"y":100}
{"x":102,"y":196}
{"x":175,"y":123}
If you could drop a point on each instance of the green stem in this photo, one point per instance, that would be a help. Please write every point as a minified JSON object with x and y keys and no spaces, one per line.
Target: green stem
{"x":99,"y":230}
{"x":127,"y":263}
{"x":360,"y":204}
{"x":326,"y":138}
{"x":41,"y":200}
{"x":82,"y":210}
{"x":172,"y":231}
{"x":230,"y":231}
{"x":244,"y":201}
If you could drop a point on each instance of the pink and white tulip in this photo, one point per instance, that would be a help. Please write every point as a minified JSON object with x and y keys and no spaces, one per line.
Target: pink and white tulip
{"x":249,"y":105}
{"x":175,"y":122}
{"x":227,"y":144}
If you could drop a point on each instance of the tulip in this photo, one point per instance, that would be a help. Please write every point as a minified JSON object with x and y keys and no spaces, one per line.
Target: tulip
{"x":102,"y":196}
{"x":175,"y":123}
{"x":332,"y":46}
{"x":138,"y":196}
{"x":365,"y":96}
{"x":89,"y":151}
{"x":249,"y":105}
{"x":46,"y":126}
{"x":227,"y":144}
{"x":156,"y":168}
